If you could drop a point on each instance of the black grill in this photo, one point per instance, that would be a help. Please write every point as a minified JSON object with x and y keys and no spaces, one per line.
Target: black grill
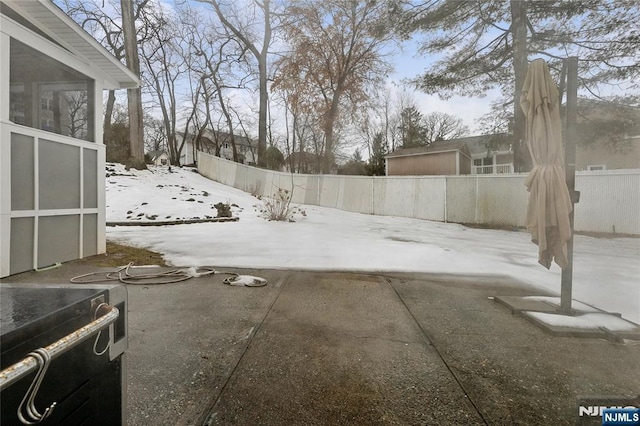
{"x":87,"y":388}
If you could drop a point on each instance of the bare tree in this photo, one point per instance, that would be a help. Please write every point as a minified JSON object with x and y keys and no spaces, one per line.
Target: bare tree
{"x":295,"y":125}
{"x":201,"y":95}
{"x":336,"y":55}
{"x":379,"y":130}
{"x":242,"y":124}
{"x":258,"y":45}
{"x":117,"y":146}
{"x":77,"y":109}
{"x":220,"y":62}
{"x":218,"y":82}
{"x":134,"y":96}
{"x":155,"y":138}
{"x":107,"y":31}
{"x":442,"y":126}
{"x":393,"y":119}
{"x":164,"y":59}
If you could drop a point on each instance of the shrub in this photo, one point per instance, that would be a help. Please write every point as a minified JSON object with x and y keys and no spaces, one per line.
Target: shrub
{"x":278,"y":207}
{"x":224,"y":210}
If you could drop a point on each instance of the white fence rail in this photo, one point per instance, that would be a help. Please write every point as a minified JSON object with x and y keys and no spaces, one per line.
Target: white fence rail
{"x":609,"y":202}
{"x":492,"y":169}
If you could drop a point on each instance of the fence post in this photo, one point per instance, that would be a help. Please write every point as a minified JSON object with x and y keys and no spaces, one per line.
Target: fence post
{"x":446,"y":213}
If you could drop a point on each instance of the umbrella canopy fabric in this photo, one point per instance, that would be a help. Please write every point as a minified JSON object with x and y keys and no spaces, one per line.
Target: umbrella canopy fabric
{"x":549,"y":200}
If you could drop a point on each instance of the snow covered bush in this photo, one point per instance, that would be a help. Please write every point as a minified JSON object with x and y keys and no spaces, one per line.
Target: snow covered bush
{"x":278,"y":207}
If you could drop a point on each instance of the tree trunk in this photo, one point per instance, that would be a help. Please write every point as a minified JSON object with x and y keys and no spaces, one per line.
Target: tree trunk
{"x":261,"y":57}
{"x":108,"y":112}
{"x":262,"y":113}
{"x":328,"y":147}
{"x":293,"y":147}
{"x":134,"y":96}
{"x":521,"y":158}
{"x":264,"y":94}
{"x":332,"y":114}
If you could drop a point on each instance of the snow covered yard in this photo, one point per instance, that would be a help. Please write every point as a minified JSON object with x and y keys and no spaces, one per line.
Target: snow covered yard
{"x":606,"y":271}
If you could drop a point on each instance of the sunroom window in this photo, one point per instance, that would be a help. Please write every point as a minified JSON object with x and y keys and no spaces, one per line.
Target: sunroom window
{"x":48,"y":95}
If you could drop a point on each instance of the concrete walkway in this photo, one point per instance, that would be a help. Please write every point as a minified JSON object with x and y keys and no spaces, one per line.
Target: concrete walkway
{"x":320,"y":348}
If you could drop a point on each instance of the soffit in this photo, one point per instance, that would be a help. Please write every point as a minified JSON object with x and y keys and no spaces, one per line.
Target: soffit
{"x":57,"y":26}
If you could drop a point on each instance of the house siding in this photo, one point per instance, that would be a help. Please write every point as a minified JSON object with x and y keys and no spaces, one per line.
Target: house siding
{"x":626,"y":157}
{"x":207,"y":145}
{"x":443,"y":163}
{"x":504,"y":159}
{"x":465,"y":164}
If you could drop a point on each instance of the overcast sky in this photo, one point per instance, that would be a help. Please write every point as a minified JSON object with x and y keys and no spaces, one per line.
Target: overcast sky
{"x":408,"y":64}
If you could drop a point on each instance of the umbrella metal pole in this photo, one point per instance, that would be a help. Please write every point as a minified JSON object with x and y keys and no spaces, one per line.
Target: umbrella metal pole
{"x":570,"y":170}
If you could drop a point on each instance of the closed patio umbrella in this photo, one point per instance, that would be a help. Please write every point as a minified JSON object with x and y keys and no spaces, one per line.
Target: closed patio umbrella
{"x":549,"y":200}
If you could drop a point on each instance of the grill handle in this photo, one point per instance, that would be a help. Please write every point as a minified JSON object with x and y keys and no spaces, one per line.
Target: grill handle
{"x":29,"y":364}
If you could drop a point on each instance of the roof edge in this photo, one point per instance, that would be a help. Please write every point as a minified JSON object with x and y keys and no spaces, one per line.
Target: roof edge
{"x":53,"y":8}
{"x":123,"y":78}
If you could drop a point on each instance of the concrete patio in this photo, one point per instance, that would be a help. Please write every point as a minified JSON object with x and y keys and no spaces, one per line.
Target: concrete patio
{"x":319,"y":348}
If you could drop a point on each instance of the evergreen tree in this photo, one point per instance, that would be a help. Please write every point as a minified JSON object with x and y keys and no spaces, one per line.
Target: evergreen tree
{"x":487,"y":44}
{"x":411,"y":128}
{"x":375,"y":167}
{"x":274,"y":158}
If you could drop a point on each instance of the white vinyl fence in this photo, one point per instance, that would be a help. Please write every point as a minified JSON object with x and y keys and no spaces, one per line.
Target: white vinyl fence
{"x":609,"y":201}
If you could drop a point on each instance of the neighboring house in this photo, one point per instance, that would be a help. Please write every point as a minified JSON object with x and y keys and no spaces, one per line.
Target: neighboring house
{"x":490,"y":154}
{"x":496,"y":158}
{"x":597,"y":120}
{"x":439,"y":158}
{"x":158,"y":158}
{"x":608,"y":136}
{"x":52,"y":157}
{"x":603,"y":157}
{"x":219,"y":143}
